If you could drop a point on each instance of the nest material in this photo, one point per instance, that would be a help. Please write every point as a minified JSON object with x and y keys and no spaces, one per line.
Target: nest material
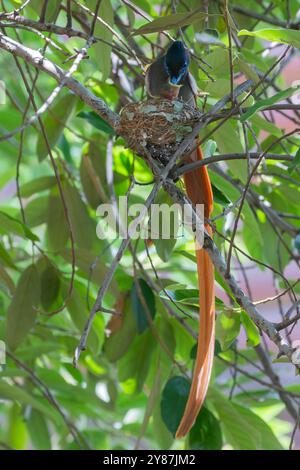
{"x":157,"y":124}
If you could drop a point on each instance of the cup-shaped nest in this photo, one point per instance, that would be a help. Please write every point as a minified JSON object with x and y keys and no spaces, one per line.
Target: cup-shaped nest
{"x":156,"y":124}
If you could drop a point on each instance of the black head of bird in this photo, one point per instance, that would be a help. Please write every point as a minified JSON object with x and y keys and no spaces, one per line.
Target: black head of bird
{"x":168,"y":75}
{"x":176,"y":63}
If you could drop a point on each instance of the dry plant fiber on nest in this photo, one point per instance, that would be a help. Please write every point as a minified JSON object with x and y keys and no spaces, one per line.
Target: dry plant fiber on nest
{"x":156,"y":122}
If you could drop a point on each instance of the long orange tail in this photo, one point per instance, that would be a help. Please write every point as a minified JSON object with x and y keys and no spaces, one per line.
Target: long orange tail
{"x":199,"y":190}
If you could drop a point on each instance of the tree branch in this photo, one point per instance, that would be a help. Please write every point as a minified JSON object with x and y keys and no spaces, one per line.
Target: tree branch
{"x":36,"y":59}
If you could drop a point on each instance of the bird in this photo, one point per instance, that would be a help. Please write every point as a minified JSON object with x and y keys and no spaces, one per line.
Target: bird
{"x":169,"y":77}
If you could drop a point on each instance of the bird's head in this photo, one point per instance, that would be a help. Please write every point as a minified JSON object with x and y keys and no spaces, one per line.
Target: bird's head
{"x":176,"y":63}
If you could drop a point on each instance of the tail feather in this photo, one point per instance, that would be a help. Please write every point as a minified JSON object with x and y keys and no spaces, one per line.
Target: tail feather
{"x":199,"y":190}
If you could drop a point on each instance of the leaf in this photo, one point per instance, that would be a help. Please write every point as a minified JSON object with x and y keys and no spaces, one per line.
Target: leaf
{"x":173,"y":401}
{"x":36,"y":211}
{"x":96,"y":121}
{"x":78,"y":310}
{"x":248,"y":70}
{"x":284,"y":36}
{"x":238,"y":432}
{"x":220,"y":197}
{"x":252,"y":235}
{"x":50,"y":284}
{"x":51,"y":10}
{"x":6,"y":258}
{"x":133,"y":368}
{"x":162,"y":435}
{"x":15,"y":393}
{"x":175,"y":21}
{"x":297,"y":243}
{"x":268,"y":440}
{"x":9,"y":224}
{"x":6,"y":280}
{"x":164,"y":225}
{"x":57,"y":228}
{"x":265,"y":125}
{"x":206,"y":433}
{"x":218,"y":88}
{"x":83,"y":227}
{"x":262,"y":104}
{"x":22,"y":310}
{"x":16,"y":433}
{"x":209,"y":148}
{"x":229,"y":141}
{"x":55,"y":121}
{"x":207,"y":37}
{"x":295,"y":163}
{"x":38,"y":185}
{"x":140,"y":311}
{"x":122,"y":334}
{"x":251,"y":329}
{"x":227,"y":328}
{"x":101,"y":50}
{"x":38,"y":430}
{"x":184,"y":296}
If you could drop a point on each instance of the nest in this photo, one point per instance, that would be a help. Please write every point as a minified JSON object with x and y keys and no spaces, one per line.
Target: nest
{"x":157,"y":125}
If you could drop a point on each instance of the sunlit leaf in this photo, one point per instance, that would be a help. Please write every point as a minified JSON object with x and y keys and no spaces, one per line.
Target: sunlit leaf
{"x":284,"y":36}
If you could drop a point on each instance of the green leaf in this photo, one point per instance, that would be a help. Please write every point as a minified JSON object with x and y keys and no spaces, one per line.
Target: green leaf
{"x":262,"y":104}
{"x":173,"y":401}
{"x":238,"y":432}
{"x":83,"y":226}
{"x":36,"y":211}
{"x":50,"y":284}
{"x":55,"y":121}
{"x":252,"y":235}
{"x":133,"y":368}
{"x":17,"y":433}
{"x":122,"y":331}
{"x":9,"y":225}
{"x":6,"y":280}
{"x":140,"y":311}
{"x":227,"y":328}
{"x":96,"y":121}
{"x":229,"y":141}
{"x":164,"y":228}
{"x":297,"y":243}
{"x":220,"y":197}
{"x":38,"y":185}
{"x":22,"y":310}
{"x":101,"y":51}
{"x":79,"y":312}
{"x":265,"y":125}
{"x":251,"y":329}
{"x":295,"y":163}
{"x":162,"y":435}
{"x":210,"y":37}
{"x":6,"y":258}
{"x":249,"y":71}
{"x":38,"y":430}
{"x":51,"y":10}
{"x":184,"y":296}
{"x":206,"y":433}
{"x":57,"y":228}
{"x":175,"y":21}
{"x":284,"y":36}
{"x":15,"y":393}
